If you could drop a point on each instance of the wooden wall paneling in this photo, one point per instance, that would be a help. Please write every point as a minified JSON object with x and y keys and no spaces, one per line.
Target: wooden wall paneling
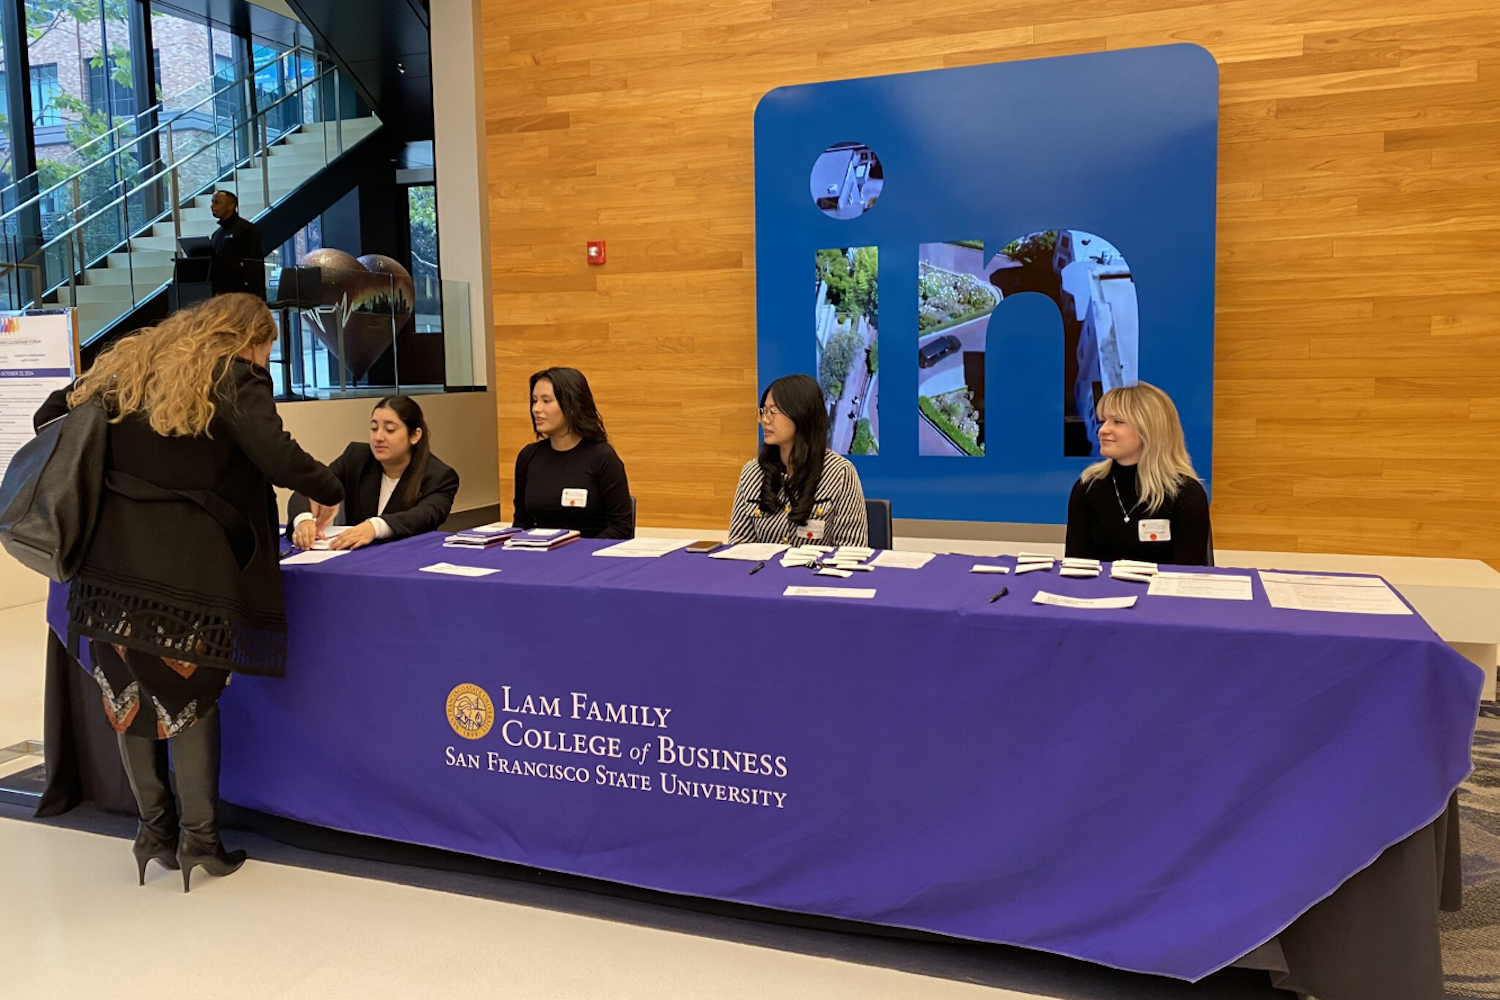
{"x":1358,"y":327}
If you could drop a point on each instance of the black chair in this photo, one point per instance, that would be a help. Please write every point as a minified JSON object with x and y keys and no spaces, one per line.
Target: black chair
{"x":1208,"y":558}
{"x":632,"y":517}
{"x":881,"y":527}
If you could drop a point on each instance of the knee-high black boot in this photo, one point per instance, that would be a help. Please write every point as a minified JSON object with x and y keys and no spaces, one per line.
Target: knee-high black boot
{"x":195,"y":757}
{"x":145,"y":766}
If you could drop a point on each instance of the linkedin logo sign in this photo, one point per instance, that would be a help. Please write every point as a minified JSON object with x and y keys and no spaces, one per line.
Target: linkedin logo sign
{"x":968,"y":258}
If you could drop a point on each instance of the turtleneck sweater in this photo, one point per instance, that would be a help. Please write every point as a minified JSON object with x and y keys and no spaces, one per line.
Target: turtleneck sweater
{"x":1105,"y":521}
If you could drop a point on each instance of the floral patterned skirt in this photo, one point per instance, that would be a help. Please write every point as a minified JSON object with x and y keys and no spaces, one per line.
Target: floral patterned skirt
{"x":152,"y":696}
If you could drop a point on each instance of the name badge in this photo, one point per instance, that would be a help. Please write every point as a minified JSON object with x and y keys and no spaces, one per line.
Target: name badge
{"x":575,"y":498}
{"x":812,"y":531}
{"x":1156,"y":529}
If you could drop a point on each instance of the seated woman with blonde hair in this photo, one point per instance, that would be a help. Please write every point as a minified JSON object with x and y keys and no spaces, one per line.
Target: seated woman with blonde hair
{"x":1144,"y":501}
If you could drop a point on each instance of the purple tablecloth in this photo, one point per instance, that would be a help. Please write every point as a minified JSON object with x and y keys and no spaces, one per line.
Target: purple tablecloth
{"x":1159,"y":789}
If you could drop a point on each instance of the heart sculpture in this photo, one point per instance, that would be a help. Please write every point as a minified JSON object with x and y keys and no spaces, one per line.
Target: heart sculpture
{"x":371,"y":298}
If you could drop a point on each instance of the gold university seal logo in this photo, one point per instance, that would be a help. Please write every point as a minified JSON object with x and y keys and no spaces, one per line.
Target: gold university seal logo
{"x":470,"y":711}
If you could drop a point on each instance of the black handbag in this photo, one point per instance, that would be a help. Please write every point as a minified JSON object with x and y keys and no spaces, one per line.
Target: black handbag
{"x":52,"y":491}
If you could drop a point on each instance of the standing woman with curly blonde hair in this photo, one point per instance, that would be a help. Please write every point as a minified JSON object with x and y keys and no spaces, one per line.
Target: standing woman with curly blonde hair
{"x":182,"y":584}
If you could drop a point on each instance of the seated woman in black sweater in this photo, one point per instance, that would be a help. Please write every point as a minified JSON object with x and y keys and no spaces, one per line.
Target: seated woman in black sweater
{"x":1144,"y":501}
{"x":394,"y":486}
{"x":571,"y":478}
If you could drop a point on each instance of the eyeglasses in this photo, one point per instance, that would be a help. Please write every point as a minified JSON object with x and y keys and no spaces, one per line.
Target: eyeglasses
{"x":767,"y":413}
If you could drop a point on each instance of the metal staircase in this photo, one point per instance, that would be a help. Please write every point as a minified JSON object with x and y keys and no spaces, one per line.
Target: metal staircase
{"x":105,"y":239}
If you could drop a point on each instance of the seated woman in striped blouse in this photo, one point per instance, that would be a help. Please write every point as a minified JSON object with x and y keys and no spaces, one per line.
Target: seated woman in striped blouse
{"x":797,"y":492}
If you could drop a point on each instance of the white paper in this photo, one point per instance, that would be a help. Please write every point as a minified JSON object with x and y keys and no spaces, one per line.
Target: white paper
{"x":749,"y":552}
{"x":329,"y":534}
{"x":890,"y":559}
{"x":796,"y":557}
{"x":1359,"y":595}
{"x":312,"y":557}
{"x":453,"y":570}
{"x":1081,"y":572}
{"x":1213,"y":586}
{"x":1082,"y":564}
{"x":1134,"y":566}
{"x":830,"y":571}
{"x":36,"y":359}
{"x":542,"y":533}
{"x":856,"y":592}
{"x":985,"y":568}
{"x":1032,"y":567}
{"x":644,"y":548}
{"x":1036,"y":555}
{"x":1042,"y":597}
{"x":1129,"y":577}
{"x":1322,"y":579}
{"x":859,"y":552}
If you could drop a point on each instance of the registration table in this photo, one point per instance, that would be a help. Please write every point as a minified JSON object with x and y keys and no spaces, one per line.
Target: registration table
{"x":1162,"y":788}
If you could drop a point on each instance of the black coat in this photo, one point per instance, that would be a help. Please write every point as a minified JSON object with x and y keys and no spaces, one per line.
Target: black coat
{"x":237,"y":238}
{"x":185,"y":561}
{"x":56,"y":405}
{"x":359,"y":472}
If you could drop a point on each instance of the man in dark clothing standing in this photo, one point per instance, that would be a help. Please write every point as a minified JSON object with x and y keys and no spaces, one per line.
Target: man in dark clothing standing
{"x":237,"y":239}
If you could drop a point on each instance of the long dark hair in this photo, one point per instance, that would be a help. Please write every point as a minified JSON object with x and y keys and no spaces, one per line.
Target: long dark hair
{"x":410,"y":414}
{"x":576,"y":400}
{"x":800,"y":399}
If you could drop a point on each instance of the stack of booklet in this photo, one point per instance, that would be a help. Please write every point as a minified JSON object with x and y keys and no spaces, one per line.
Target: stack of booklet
{"x":483,"y":537}
{"x":541,"y":539}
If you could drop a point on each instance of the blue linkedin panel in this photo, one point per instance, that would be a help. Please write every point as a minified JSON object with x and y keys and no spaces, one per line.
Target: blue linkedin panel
{"x":968,"y":258}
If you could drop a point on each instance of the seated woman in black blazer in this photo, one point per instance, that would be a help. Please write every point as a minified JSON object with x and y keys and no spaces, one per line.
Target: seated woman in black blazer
{"x":1144,"y":501}
{"x":572,"y":478}
{"x":394,"y":486}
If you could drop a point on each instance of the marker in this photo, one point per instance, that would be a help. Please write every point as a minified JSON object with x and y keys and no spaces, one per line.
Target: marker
{"x":1003,"y":592}
{"x":757,"y":568}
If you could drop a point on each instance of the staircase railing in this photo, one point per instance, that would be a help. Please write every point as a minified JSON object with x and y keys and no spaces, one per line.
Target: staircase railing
{"x":152,"y":178}
{"x":224,"y":87}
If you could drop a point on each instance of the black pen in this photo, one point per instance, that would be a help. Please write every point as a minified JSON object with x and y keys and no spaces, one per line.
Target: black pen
{"x":757,"y":568}
{"x":1003,"y":592}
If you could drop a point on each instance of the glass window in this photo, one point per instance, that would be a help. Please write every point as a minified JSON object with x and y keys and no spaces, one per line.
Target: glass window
{"x":186,"y":85}
{"x":227,"y":100}
{"x":81,"y":85}
{"x":184,"y":60}
{"x":110,"y":89}
{"x":275,"y":77}
{"x":6,"y":173}
{"x":44,"y":93}
{"x":421,"y":204}
{"x":80,"y":78}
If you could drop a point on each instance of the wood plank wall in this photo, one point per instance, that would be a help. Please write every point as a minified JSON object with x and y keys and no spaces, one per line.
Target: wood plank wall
{"x":1358,"y":361}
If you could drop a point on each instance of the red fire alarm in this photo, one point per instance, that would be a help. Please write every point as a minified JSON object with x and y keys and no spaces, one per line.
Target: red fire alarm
{"x":596,"y":251}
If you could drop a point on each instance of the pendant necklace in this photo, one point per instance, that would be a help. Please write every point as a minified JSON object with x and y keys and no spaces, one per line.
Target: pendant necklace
{"x":1118,"y":499}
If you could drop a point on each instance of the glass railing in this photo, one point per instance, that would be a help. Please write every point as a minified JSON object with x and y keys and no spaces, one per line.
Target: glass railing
{"x":126,"y":213}
{"x":348,"y":332}
{"x":205,"y":106}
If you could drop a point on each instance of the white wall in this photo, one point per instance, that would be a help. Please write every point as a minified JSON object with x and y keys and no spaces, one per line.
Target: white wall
{"x":463,"y":424}
{"x":463,"y":435}
{"x":463,"y":178}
